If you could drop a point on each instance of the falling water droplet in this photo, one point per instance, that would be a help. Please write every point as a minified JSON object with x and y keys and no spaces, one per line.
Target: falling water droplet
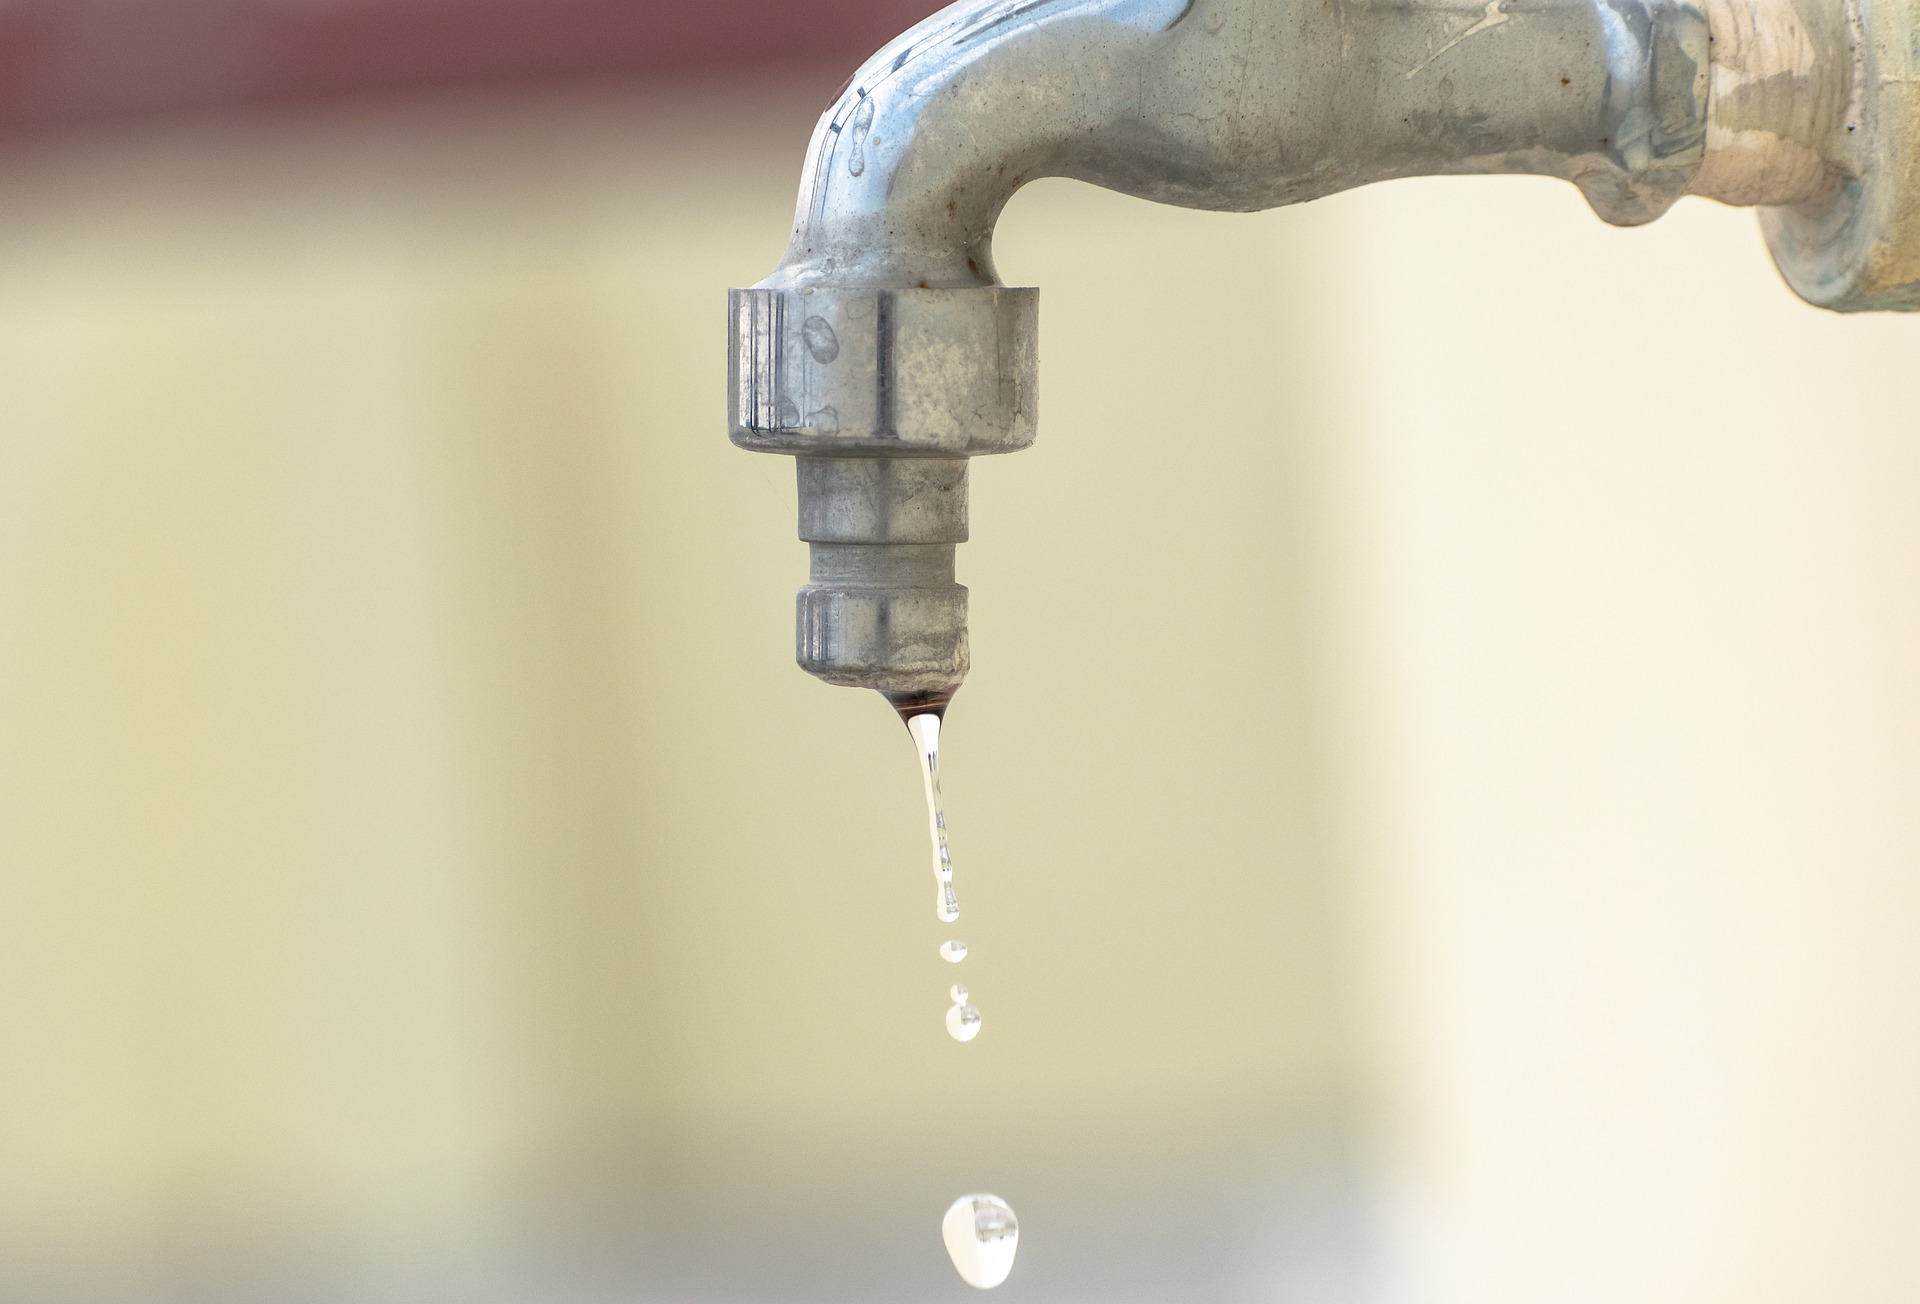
{"x":953,"y":952}
{"x":958,"y":993}
{"x":963,"y":1022}
{"x":926,"y":736}
{"x":981,"y":1235}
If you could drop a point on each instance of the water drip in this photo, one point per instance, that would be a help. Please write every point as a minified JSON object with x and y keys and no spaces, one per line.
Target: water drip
{"x":981,"y":1236}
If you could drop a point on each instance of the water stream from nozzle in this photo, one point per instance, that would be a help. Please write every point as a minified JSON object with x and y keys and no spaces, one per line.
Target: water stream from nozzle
{"x":980,"y":1231}
{"x":925,"y":729}
{"x":924,"y":714}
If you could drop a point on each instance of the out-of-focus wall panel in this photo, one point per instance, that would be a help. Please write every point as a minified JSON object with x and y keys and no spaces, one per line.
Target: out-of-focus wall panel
{"x":419,"y":840}
{"x":1625,"y":542}
{"x":239,"y":704}
{"x":1430,"y":620}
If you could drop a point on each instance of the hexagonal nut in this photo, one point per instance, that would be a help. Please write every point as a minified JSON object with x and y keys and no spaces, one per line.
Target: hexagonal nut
{"x":895,"y":373}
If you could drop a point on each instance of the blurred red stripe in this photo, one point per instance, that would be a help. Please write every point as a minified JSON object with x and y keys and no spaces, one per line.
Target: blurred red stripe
{"x":77,"y":60}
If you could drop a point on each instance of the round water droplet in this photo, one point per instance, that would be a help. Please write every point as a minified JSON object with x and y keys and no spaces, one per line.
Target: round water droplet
{"x":981,"y":1235}
{"x":958,"y":993}
{"x":963,"y":1022}
{"x":953,"y":952}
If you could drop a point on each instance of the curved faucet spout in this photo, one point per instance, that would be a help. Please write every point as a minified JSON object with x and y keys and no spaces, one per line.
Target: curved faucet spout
{"x":1235,"y":104}
{"x":883,"y":352}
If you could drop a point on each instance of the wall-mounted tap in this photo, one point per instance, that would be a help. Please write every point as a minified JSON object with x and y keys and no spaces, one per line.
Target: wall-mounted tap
{"x":883,"y":352}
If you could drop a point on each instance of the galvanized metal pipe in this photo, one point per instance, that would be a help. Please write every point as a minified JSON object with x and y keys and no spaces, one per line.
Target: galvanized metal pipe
{"x":883,"y":350}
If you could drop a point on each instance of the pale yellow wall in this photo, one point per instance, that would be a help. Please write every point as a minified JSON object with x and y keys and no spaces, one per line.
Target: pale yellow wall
{"x":412,"y":811}
{"x":1625,"y":550}
{"x":1441,"y":699}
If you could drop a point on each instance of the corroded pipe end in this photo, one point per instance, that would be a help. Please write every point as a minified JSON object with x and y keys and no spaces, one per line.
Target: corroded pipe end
{"x":1780,"y":118}
{"x":1856,"y":247}
{"x":882,"y":395}
{"x":883,"y":616}
{"x":881,"y":609}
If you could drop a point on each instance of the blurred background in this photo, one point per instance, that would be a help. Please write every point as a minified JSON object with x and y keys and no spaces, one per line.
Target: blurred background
{"x":424,"y":874}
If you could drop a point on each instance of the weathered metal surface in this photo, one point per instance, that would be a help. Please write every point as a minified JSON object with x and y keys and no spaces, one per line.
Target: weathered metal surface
{"x":1236,"y":104}
{"x":884,"y":333}
{"x":907,"y":372}
{"x":1782,"y":112}
{"x":882,"y":499}
{"x":885,"y":616}
{"x":1857,"y":247}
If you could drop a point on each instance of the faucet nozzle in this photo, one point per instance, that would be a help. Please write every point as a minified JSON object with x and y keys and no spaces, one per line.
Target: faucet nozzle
{"x":881,"y":396}
{"x":883,"y":352}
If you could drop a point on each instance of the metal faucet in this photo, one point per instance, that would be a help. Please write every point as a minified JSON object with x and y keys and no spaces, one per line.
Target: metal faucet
{"x":883,"y":352}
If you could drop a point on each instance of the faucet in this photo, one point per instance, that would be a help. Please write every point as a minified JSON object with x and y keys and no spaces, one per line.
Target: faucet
{"x":883,"y":352}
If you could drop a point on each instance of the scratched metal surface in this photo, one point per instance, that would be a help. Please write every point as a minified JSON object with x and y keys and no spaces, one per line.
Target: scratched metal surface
{"x":1209,"y":104}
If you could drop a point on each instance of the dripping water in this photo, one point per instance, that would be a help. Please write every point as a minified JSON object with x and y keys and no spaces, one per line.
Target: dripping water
{"x":981,"y":1235}
{"x":923,"y":722}
{"x":924,"y":714}
{"x":980,"y":1232}
{"x":963,"y":1022}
